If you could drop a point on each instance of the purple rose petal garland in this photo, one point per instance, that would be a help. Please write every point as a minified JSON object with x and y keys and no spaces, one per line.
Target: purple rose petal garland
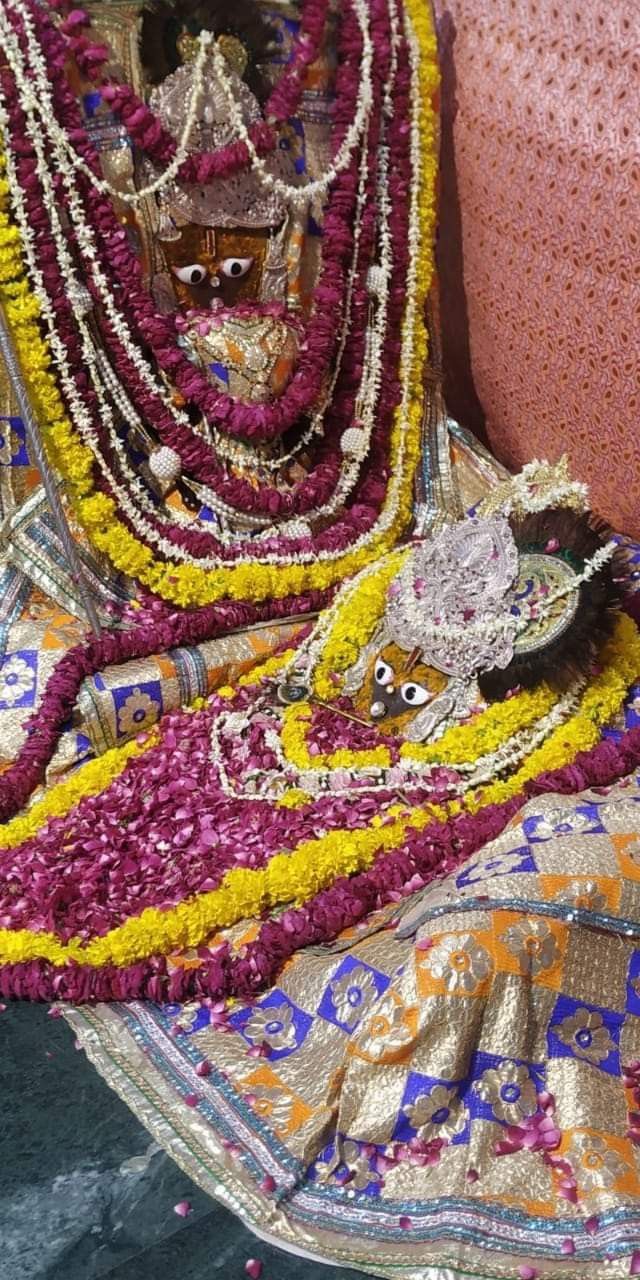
{"x":425,"y":855}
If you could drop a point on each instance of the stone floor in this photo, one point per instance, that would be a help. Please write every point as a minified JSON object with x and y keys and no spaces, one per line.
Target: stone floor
{"x":85,"y":1193}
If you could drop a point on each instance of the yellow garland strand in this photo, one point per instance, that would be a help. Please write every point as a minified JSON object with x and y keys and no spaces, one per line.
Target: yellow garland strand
{"x":355,"y":624}
{"x":315,"y":864}
{"x":89,"y":780}
{"x":491,"y":728}
{"x":190,"y":585}
{"x":296,"y":722}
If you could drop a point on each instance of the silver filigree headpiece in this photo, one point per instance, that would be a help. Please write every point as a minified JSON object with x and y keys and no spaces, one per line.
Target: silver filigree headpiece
{"x":240,"y":201}
{"x":452,"y":599}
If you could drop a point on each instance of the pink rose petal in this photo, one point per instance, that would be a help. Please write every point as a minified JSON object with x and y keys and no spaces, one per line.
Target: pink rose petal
{"x":634,"y":1269}
{"x":528,"y":1273}
{"x":405,"y":1223}
{"x":253,"y":1268}
{"x":268,"y":1184}
{"x":425,"y":944}
{"x":192,"y":1099}
{"x":592,"y":1225}
{"x":183,"y":1208}
{"x":568,"y":1246}
{"x":203,"y":1068}
{"x":258,"y":1051}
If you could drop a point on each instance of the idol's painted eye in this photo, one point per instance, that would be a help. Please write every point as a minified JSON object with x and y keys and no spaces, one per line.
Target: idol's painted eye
{"x":383,"y":672}
{"x":235,"y":268}
{"x":414,"y":694}
{"x":193,"y":274}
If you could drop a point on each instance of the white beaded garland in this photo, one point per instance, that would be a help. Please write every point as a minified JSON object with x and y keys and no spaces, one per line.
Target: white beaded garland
{"x":40,"y":101}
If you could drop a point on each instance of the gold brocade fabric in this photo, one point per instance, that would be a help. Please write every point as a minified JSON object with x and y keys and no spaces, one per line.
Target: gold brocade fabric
{"x":509,"y":991}
{"x":121,"y":701}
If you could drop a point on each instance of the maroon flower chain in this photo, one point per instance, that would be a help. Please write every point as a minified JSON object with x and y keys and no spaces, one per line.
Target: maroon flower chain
{"x":147,"y":131}
{"x":427,"y":855}
{"x":250,"y":421}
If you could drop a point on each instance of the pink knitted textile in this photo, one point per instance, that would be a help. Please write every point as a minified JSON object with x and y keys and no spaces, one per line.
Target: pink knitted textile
{"x":540,"y":261}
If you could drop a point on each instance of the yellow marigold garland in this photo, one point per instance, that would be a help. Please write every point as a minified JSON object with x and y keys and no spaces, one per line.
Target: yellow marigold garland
{"x":267,"y":668}
{"x":94,"y":777}
{"x":358,"y":609}
{"x":315,"y":864}
{"x":190,"y":585}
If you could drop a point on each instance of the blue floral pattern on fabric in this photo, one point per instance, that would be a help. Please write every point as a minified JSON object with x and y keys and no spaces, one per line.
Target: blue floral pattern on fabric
{"x":137,"y":707}
{"x":13,"y":444}
{"x":633,"y":984}
{"x":353,"y":989}
{"x":18,"y":678}
{"x":432,"y":1108}
{"x":275,"y":1022}
{"x":502,"y":1089}
{"x":586,"y":1032}
{"x":504,"y":864}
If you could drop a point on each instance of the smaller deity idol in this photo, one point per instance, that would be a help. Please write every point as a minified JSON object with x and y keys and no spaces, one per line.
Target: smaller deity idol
{"x":484,"y":607}
{"x":494,"y":626}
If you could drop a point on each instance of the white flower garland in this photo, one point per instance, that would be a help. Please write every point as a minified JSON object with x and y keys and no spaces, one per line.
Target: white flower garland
{"x":41,"y":103}
{"x":405,"y":776}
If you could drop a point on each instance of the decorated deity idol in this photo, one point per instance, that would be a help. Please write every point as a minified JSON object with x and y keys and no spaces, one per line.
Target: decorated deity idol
{"x":226,"y":243}
{"x":223,"y":215}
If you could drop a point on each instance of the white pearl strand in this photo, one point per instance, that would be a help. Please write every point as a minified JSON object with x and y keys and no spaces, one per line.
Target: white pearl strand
{"x":91,"y":357}
{"x":83,"y":228}
{"x":391,"y":505}
{"x":213,"y":501}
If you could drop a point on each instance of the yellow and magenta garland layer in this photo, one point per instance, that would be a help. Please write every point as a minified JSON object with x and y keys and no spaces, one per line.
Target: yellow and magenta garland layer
{"x":293,"y":877}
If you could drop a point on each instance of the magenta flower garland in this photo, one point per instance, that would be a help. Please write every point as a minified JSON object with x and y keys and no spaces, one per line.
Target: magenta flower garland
{"x":426,"y":855}
{"x":250,"y":421}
